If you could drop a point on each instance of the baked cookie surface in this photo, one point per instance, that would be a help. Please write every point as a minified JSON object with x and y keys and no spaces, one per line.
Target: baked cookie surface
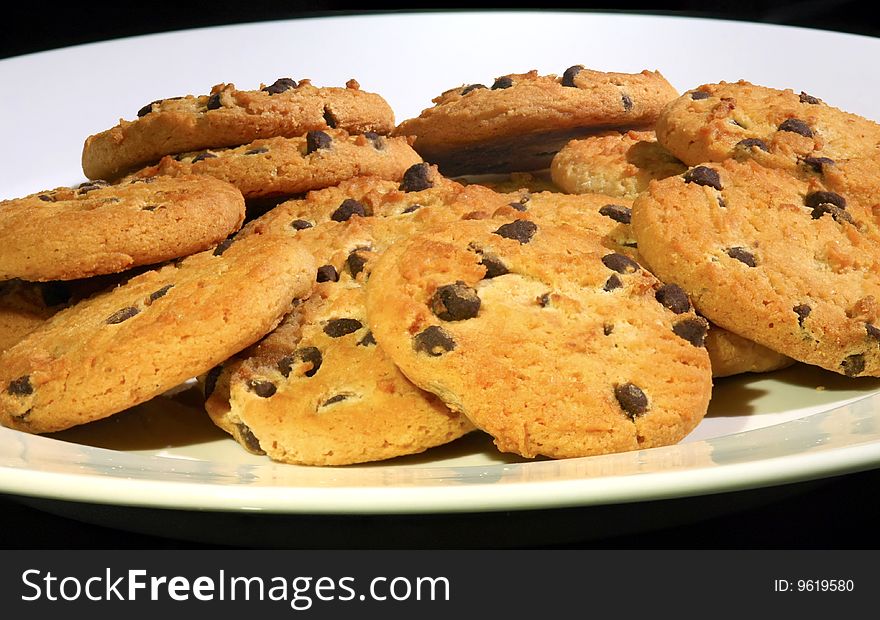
{"x":784,"y":262}
{"x":541,"y":336}
{"x":66,"y":233}
{"x":138,"y":340}
{"x":523,"y":119}
{"x":231,"y":117}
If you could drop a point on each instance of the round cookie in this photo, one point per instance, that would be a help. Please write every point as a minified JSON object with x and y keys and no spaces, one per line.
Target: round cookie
{"x":776,"y":128}
{"x":231,"y":117}
{"x":613,"y":163}
{"x":136,"y":341}
{"x":778,"y":260}
{"x":523,"y":119}
{"x":541,"y":336}
{"x":24,"y":306}
{"x":65,"y":233}
{"x":283,"y":166}
{"x":731,"y":355}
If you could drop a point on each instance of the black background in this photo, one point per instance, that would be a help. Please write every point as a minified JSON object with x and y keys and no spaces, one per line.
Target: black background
{"x":836,"y":513}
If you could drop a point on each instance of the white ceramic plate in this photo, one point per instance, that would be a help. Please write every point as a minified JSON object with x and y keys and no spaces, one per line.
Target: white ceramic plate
{"x":792,"y":425}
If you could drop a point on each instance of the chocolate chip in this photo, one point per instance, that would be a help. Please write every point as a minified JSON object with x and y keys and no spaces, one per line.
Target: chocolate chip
{"x":544,"y":300}
{"x":257,"y":151}
{"x":367,"y":341}
{"x":749,"y":143}
{"x":417,"y":178}
{"x":246,"y":435}
{"x":214,"y":102}
{"x":88,"y":186}
{"x":742,"y":255}
{"x":434,"y":341}
{"x":211,"y":378}
{"x":503,"y":82}
{"x":263,"y":389}
{"x":494,"y":266}
{"x":375,"y":139}
{"x":338,"y":398}
{"x":316,"y":140}
{"x":853,"y":365}
{"x":356,"y":262}
{"x":620,"y":263}
{"x":608,"y":329}
{"x":803,"y":311}
{"x":300,"y":224}
{"x":327,"y":273}
{"x":279,"y":86}
{"x":568,"y":75}
{"x":455,"y":302}
{"x":336,"y":328}
{"x":838,"y":214}
{"x":519,"y":206}
{"x":703,"y":175}
{"x":817,"y":163}
{"x":330,"y":118}
{"x":672,"y":296}
{"x":55,"y":293}
{"x":147,"y":108}
{"x":693,"y":330}
{"x":631,"y":399}
{"x":795,"y":125}
{"x":520,"y":230}
{"x":46,"y":198}
{"x":347,"y":209}
{"x":309,"y":355}
{"x":20,"y":387}
{"x":627,"y":103}
{"x":412,"y":208}
{"x":150,"y":207}
{"x":223,"y":246}
{"x":805,"y":98}
{"x":699,"y":94}
{"x":618,"y":213}
{"x":160,"y":293}
{"x":873,"y":331}
{"x":612,"y":283}
{"x":814,"y":199}
{"x":121,"y":315}
{"x":471,"y":88}
{"x":202,"y":156}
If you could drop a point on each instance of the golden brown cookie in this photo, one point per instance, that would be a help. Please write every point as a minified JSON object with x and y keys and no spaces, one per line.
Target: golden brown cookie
{"x":541,"y":336}
{"x":781,"y":261}
{"x":136,"y":341}
{"x":65,"y":233}
{"x":523,"y":119}
{"x":231,"y":117}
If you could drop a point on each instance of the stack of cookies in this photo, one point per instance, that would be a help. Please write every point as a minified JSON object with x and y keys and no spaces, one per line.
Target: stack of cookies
{"x":347,"y":290}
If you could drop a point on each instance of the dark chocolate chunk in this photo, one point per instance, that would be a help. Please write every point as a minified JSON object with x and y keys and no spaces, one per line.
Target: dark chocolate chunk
{"x":494,"y":266}
{"x":246,"y":436}
{"x":88,"y":186}
{"x":434,"y":341}
{"x":20,"y":387}
{"x":309,"y":355}
{"x":618,"y":213}
{"x":279,"y":86}
{"x":121,"y":315}
{"x":742,"y":255}
{"x":214,"y":102}
{"x":873,"y":331}
{"x":375,"y":139}
{"x":620,"y":263}
{"x":836,"y":212}
{"x":330,"y":118}
{"x":455,"y":302}
{"x":503,"y":82}
{"x":817,"y":163}
{"x":749,"y":143}
{"x":211,"y":378}
{"x":627,"y":103}
{"x":356,"y":261}
{"x":672,"y":296}
{"x":612,"y":283}
{"x":347,"y":209}
{"x":223,"y":246}
{"x":336,"y":328}
{"x":327,"y":273}
{"x":805,"y":98}
{"x":412,"y":208}
{"x":338,"y":398}
{"x":814,"y":199}
{"x":263,"y":389}
{"x":544,"y":300}
{"x":519,"y":206}
{"x":693,"y":330}
{"x":46,"y":197}
{"x":803,"y":311}
{"x":471,"y":88}
{"x":316,"y":140}
{"x":257,"y":151}
{"x":300,"y":224}
{"x":568,"y":75}
{"x":367,"y":341}
{"x":417,"y":178}
{"x":520,"y":230}
{"x":796,"y":125}
{"x":608,"y":329}
{"x":853,"y":365}
{"x":631,"y":399}
{"x":699,"y":94}
{"x":703,"y":175}
{"x":202,"y":156}
{"x":147,"y":108}
{"x":160,"y":293}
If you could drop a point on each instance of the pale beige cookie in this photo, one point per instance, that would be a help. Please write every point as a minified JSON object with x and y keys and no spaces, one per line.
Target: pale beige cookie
{"x":776,"y":128}
{"x":122,"y":347}
{"x":523,"y":119}
{"x":283,"y":166}
{"x":781,"y":261}
{"x":541,"y":336}
{"x":231,"y":117}
{"x":65,"y":233}
{"x":614,"y":163}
